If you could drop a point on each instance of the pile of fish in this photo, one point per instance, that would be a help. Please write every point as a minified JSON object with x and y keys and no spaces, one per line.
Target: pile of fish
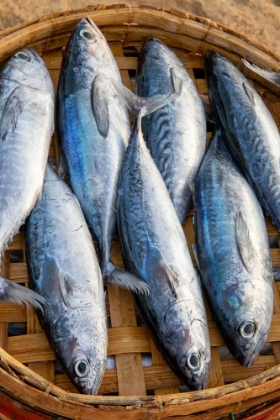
{"x":141,"y":182}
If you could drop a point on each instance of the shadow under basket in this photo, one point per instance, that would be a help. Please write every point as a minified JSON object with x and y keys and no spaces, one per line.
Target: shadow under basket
{"x":138,"y":384}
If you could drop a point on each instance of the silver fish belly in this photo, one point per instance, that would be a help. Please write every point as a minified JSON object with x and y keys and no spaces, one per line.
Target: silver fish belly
{"x":251,"y":133}
{"x":63,"y":268}
{"x":176,"y":133}
{"x":233,"y":253}
{"x":154,"y":248}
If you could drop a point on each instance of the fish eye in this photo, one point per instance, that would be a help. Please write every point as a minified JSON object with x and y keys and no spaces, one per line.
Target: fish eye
{"x":247,"y":329}
{"x":193,"y":361}
{"x":22,"y":55}
{"x":85,"y":33}
{"x":81,"y":368}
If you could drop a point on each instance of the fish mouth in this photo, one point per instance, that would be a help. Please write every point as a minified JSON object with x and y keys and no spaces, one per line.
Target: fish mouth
{"x":197,"y":383}
{"x":152,"y":39}
{"x":88,"y":20}
{"x":248,"y":359}
{"x":87,"y":388}
{"x":211,"y":58}
{"x":93,"y":25}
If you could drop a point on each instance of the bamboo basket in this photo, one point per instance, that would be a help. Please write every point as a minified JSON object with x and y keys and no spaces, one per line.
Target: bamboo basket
{"x":31,"y":386}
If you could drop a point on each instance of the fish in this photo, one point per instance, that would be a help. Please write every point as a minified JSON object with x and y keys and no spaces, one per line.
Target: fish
{"x":63,"y":267}
{"x":175,"y":134}
{"x":94,"y":129}
{"x":26,"y":127}
{"x":271,"y":76}
{"x":233,"y":252}
{"x":251,"y":133}
{"x":154,"y":249}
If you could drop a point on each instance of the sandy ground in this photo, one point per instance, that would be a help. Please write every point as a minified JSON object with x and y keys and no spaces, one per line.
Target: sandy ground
{"x":257,"y":19}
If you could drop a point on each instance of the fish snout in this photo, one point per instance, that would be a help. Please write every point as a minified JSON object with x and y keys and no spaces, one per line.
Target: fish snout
{"x":198,"y":382}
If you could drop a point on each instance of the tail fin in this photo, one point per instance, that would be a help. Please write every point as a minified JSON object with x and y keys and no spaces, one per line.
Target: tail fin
{"x":13,"y":292}
{"x":118,"y":277}
{"x":273,"y":77}
{"x":140,"y":106}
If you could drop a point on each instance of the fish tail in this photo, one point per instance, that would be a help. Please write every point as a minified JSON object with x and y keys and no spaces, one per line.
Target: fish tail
{"x":13,"y":292}
{"x":140,"y":106}
{"x":118,"y":277}
{"x":273,"y":77}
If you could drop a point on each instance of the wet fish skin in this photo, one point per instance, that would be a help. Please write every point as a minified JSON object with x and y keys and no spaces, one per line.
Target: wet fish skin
{"x":233,"y":252}
{"x":71,"y":282}
{"x":251,"y":133}
{"x":26,"y":126}
{"x":176,"y":133}
{"x":154,"y":248}
{"x":94,"y":129}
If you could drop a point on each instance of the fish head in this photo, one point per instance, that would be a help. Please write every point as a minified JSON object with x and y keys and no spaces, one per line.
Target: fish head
{"x":26,"y":67}
{"x":249,"y":333}
{"x":88,"y":46}
{"x":223,"y":78}
{"x":157,"y":62}
{"x":154,"y":48}
{"x":81,"y":347}
{"x":189,"y":345}
{"x":245,"y":319}
{"x":194,"y":360}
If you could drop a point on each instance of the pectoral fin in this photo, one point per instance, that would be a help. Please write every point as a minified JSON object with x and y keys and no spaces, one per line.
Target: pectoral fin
{"x":158,"y":271}
{"x":249,"y":93}
{"x":55,"y":281}
{"x":12,"y":109}
{"x":244,"y":243}
{"x":67,"y":286}
{"x":99,"y":103}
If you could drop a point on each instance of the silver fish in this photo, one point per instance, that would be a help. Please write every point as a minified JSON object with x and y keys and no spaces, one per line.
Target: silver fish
{"x":154,"y":248}
{"x":176,"y":133}
{"x":94,"y":129}
{"x":64,"y":269}
{"x":26,"y":126}
{"x":233,"y":253}
{"x":251,"y":133}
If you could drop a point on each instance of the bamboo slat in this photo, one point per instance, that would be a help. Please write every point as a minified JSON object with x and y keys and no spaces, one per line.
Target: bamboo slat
{"x":130,"y":389}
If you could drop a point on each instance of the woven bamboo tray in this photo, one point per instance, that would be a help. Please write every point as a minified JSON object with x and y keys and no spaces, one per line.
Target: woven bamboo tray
{"x":31,"y":386}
